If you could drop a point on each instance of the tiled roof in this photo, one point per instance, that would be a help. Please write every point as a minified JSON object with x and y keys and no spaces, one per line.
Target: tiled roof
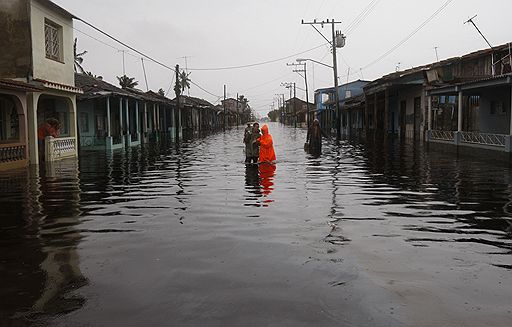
{"x":97,"y":88}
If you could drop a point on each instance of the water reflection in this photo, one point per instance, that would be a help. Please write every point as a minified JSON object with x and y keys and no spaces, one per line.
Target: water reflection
{"x":184,"y":206}
{"x":39,"y":236}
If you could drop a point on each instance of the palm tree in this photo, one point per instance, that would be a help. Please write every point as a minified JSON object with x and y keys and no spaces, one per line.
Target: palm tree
{"x":93,"y":75}
{"x":127,"y":82}
{"x":161,"y":92}
{"x":184,"y":80}
{"x":79,"y":59}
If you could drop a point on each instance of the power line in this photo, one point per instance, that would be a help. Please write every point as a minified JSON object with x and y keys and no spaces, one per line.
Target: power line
{"x":127,"y":46}
{"x":362,"y":16}
{"x":408,"y":37}
{"x":259,"y":63}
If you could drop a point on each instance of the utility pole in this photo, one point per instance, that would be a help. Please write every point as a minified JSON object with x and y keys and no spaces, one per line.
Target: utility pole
{"x":437,"y":55}
{"x":237,"y":111}
{"x":471,"y":20}
{"x":291,"y":87}
{"x":224,"y":104}
{"x":338,"y":41}
{"x":299,"y":71}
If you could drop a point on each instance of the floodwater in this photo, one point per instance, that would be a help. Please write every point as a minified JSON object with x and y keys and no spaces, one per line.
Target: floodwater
{"x":365,"y":235}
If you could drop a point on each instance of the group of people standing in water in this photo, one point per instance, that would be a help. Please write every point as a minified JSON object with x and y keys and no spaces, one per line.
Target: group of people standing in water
{"x":259,"y":146}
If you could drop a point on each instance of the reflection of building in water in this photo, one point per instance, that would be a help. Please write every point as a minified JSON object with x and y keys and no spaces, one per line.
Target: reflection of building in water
{"x":40,"y":263}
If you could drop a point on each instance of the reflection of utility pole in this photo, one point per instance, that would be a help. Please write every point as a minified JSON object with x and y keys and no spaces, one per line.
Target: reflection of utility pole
{"x":224,"y":104}
{"x":338,"y":41}
{"x":488,"y":43}
{"x":237,"y":111}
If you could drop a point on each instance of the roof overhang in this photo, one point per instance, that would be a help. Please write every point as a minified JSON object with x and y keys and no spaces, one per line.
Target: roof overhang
{"x":503,"y":80}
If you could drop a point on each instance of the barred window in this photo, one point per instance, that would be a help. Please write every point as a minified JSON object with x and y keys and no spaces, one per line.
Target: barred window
{"x":52,"y":36}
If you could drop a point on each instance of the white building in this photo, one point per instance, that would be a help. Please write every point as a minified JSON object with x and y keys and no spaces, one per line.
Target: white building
{"x":37,"y":49}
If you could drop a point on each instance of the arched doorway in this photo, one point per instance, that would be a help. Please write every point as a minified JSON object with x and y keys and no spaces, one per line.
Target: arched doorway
{"x":13,"y":149}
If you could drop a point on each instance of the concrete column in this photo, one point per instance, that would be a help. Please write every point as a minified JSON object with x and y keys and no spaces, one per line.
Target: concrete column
{"x":365,"y":118}
{"x":145,"y":117}
{"x":180,"y":128}
{"x":32,"y":144}
{"x":109,"y":128}
{"x":172,"y":129}
{"x":121,"y":124}
{"x":154,"y":118}
{"x":375,"y":109}
{"x":137,"y":120}
{"x":510,"y":131}
{"x":386,"y":124}
{"x":109,"y":141}
{"x":73,"y":125}
{"x":429,"y":114}
{"x":459,"y":124}
{"x":127,"y":111}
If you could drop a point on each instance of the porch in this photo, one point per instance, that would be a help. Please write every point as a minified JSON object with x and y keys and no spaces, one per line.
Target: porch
{"x":475,"y":114}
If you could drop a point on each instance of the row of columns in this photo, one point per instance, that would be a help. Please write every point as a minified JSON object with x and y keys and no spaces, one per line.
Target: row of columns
{"x":151,"y":116}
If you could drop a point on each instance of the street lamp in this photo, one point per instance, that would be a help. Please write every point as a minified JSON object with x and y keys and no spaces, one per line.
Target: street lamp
{"x":318,"y":62}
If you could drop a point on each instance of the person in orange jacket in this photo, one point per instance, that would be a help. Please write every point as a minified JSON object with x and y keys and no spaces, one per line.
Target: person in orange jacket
{"x":267,"y":153}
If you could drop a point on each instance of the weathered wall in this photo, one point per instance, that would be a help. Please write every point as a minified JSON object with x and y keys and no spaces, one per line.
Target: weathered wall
{"x":44,"y":68}
{"x":15,"y":39}
{"x":498,"y":121}
{"x":409,"y":95}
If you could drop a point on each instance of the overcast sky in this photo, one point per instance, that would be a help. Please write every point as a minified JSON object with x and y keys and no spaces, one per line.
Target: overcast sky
{"x":227,"y":33}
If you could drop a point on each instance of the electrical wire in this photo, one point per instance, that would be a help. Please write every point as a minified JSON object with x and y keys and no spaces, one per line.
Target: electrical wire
{"x":362,"y":16}
{"x":408,"y":37}
{"x":259,"y":63}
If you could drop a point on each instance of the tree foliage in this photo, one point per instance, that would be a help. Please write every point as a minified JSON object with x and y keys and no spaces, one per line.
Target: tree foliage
{"x":127,"y":82}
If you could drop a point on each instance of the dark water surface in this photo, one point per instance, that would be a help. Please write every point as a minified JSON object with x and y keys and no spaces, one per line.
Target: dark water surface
{"x":366,"y":235}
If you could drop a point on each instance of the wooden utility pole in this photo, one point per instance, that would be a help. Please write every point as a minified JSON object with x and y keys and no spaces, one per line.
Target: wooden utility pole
{"x":338,"y":41}
{"x":299,"y":71}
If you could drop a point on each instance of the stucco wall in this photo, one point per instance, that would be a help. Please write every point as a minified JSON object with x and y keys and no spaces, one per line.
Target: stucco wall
{"x":44,"y":68}
{"x":497,"y":122}
{"x":15,"y":41}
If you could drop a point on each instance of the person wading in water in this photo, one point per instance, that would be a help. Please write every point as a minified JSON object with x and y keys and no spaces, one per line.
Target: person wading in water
{"x":314,"y":139}
{"x":267,"y":153}
{"x":248,"y":143}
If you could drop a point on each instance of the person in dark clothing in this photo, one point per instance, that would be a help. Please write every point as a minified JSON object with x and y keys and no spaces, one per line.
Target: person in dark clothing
{"x":255,"y":135}
{"x":314,"y":138}
{"x":248,"y":143}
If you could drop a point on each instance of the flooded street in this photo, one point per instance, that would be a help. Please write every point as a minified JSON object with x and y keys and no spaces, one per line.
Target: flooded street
{"x":365,"y":235}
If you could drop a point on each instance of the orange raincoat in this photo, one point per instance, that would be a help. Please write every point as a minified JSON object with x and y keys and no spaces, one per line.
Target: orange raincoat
{"x":267,"y":153}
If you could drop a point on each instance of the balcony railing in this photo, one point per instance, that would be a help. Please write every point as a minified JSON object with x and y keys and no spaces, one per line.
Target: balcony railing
{"x":12,"y":152}
{"x":442,"y":135}
{"x":60,"y":148}
{"x":483,"y":138}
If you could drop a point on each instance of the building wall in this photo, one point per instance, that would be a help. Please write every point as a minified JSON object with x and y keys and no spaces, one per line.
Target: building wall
{"x":15,"y":41}
{"x":494,"y":118}
{"x":409,"y":95}
{"x":49,"y":69}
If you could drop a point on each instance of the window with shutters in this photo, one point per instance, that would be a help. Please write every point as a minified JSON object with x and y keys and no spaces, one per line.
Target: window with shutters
{"x":53,"y":40}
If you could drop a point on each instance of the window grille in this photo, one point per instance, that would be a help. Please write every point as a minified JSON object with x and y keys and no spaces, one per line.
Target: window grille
{"x":52,"y":41}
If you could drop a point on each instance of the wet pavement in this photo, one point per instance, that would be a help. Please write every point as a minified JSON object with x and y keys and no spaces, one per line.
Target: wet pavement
{"x":365,"y":235}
